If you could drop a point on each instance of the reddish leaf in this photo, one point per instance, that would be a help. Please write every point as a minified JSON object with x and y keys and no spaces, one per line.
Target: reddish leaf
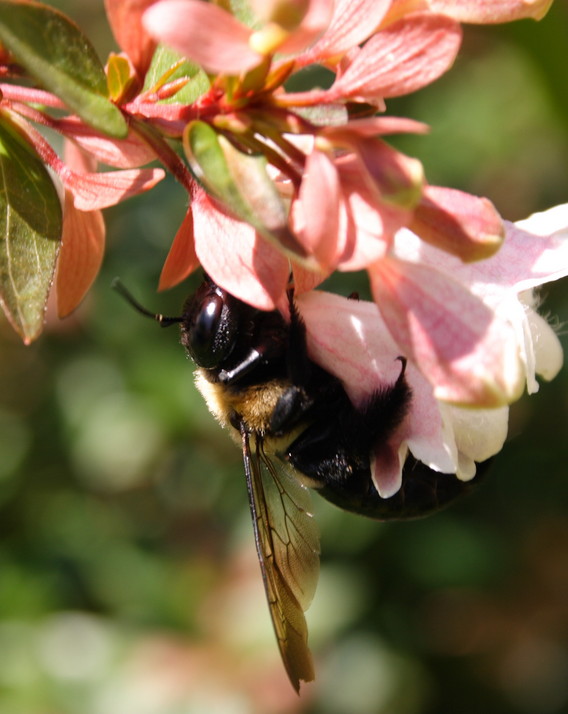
{"x":81,"y":255}
{"x":181,"y":260}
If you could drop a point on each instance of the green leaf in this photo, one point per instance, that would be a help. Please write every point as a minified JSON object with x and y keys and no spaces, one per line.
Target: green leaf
{"x":31,"y":220}
{"x":324,"y":115}
{"x":167,"y":66}
{"x":242,"y":10}
{"x":241,"y":183}
{"x":120,"y":77}
{"x":59,"y":56}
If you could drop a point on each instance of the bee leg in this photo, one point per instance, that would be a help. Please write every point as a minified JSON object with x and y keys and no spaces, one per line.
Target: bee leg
{"x":322,"y":454}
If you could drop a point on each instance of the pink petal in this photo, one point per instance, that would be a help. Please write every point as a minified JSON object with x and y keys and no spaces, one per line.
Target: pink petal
{"x":367,"y":237}
{"x":353,"y":21}
{"x":374,"y":126}
{"x":400,"y":59}
{"x":548,"y":355}
{"x":313,"y":24}
{"x":121,"y":153}
{"x":92,"y":191}
{"x":463,"y":225}
{"x":78,"y":160}
{"x":427,"y":435}
{"x":80,"y":257}
{"x":386,"y":469}
{"x":236,"y":257}
{"x":479,"y":434}
{"x":182,"y":259}
{"x":350,"y":340}
{"x":305,"y":280}
{"x":125,"y":18}
{"x":204,"y":33}
{"x":535,"y":251}
{"x":370,"y":223}
{"x":318,"y":229}
{"x":524,"y":261}
{"x":537,"y":248}
{"x":399,"y":178}
{"x":468,"y":353}
{"x":490,"y":11}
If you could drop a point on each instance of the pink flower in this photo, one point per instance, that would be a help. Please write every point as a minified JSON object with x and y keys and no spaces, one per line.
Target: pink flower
{"x":359,"y":342}
{"x":371,"y":190}
{"x":302,"y":181}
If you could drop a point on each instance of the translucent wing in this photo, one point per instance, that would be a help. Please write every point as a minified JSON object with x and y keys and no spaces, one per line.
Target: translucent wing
{"x":287,"y":543}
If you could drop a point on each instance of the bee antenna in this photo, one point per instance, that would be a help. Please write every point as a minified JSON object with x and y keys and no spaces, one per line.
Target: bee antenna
{"x":164,"y":321}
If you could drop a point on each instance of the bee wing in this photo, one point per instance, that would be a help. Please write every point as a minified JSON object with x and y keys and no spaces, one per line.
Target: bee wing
{"x":287,"y":543}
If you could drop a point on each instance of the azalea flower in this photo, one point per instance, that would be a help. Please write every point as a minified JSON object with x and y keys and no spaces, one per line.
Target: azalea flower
{"x":277,"y":180}
{"x":356,"y":342}
{"x":346,"y":167}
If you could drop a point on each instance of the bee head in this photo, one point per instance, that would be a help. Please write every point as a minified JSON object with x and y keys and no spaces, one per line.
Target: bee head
{"x":213,"y":322}
{"x":210,"y":325}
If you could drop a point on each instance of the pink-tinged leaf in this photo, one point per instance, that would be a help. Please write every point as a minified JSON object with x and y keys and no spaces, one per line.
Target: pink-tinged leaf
{"x":490,"y":11}
{"x":80,"y":257}
{"x":236,"y":257}
{"x":125,"y":18}
{"x":400,"y":59}
{"x":204,"y":33}
{"x":353,"y":21}
{"x":467,"y":352}
{"x":93,"y":191}
{"x":459,"y":223}
{"x":182,"y":259}
{"x":318,"y":228}
{"x":121,"y":153}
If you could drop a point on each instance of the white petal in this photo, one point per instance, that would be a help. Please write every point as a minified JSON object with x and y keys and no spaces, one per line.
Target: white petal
{"x":467,"y":468}
{"x":479,"y":433}
{"x":547,"y":348}
{"x":554,"y":220}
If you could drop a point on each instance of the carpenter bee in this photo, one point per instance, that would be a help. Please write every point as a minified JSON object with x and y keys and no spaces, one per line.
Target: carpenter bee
{"x":297,"y":427}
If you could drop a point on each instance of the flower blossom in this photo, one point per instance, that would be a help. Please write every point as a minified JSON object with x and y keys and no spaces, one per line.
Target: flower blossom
{"x":351,"y":339}
{"x":280,"y":180}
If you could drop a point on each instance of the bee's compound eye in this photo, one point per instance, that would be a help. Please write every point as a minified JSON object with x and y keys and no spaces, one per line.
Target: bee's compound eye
{"x":209,"y":333}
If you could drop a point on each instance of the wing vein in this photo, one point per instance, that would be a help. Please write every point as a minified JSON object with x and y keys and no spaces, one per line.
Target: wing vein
{"x":287,"y":545}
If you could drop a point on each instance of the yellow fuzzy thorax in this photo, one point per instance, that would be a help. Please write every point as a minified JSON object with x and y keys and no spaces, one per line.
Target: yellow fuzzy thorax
{"x":254,"y":404}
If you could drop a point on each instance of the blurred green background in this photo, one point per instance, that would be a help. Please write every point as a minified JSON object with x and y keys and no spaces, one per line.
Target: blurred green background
{"x":128,"y":578}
